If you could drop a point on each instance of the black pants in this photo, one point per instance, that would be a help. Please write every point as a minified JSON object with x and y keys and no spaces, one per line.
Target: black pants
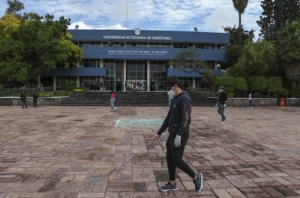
{"x":34,"y":103}
{"x":174,"y":157}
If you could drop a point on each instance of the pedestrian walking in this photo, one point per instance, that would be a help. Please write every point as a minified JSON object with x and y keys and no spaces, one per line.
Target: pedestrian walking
{"x":250,"y":98}
{"x":222,"y":103}
{"x":35,"y":98}
{"x":112,"y":100}
{"x":177,"y":121}
{"x":170,"y":98}
{"x":23,"y":98}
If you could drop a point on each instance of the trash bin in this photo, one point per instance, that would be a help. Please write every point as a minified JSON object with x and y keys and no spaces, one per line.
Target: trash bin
{"x":281,"y":102}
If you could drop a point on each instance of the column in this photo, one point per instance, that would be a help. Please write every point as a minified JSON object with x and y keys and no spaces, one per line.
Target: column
{"x":194,"y":83}
{"x":78,"y":81}
{"x":78,"y":77}
{"x":124,"y":75}
{"x":148,"y":75}
{"x":54,"y":83}
{"x":101,"y":65}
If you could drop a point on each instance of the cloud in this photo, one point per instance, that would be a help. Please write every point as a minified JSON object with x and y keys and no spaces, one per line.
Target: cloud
{"x":81,"y":25}
{"x":219,"y":18}
{"x":116,"y":27}
{"x":180,"y":15}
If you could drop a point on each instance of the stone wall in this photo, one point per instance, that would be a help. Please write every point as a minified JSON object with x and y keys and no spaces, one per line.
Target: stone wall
{"x":292,"y":101}
{"x":16,"y":101}
{"x":243,"y":102}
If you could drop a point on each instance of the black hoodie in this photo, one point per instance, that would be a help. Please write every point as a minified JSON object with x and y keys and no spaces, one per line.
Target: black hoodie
{"x":179,"y":115}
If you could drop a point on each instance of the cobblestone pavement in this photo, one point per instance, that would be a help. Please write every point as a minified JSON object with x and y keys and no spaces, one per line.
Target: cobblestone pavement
{"x":69,"y":151}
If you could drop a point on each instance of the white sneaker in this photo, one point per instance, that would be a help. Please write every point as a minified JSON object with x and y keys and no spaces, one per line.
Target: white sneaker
{"x":222,"y":122}
{"x":251,"y":107}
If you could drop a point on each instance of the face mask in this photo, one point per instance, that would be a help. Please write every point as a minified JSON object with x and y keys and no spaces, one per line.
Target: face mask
{"x":219,"y":90}
{"x":171,"y":93}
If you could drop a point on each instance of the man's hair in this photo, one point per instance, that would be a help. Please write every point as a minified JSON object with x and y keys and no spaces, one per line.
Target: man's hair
{"x":172,"y":81}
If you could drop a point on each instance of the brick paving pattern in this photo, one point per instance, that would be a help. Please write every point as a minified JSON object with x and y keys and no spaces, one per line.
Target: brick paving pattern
{"x":68,"y":151}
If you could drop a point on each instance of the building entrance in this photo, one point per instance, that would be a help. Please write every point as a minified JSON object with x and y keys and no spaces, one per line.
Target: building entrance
{"x":136,"y":75}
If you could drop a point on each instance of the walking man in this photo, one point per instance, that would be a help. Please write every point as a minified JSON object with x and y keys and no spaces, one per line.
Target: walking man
{"x":250,"y":97}
{"x":23,"y":98}
{"x":222,"y":103}
{"x":35,"y":97}
{"x":177,"y":122}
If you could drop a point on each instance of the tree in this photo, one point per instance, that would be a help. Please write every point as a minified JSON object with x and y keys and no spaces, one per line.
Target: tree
{"x":257,"y":59}
{"x":38,"y":46}
{"x":233,"y":47}
{"x":240,"y":6}
{"x":189,"y":61}
{"x":14,"y":6}
{"x":67,"y":85}
{"x":276,"y":13}
{"x":289,"y":51}
{"x":8,"y":26}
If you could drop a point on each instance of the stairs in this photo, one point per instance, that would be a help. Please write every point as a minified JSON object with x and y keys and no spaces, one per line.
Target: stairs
{"x":129,"y":99}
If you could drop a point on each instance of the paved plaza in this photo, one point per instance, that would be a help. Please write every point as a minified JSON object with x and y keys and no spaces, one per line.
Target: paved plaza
{"x":69,"y":151}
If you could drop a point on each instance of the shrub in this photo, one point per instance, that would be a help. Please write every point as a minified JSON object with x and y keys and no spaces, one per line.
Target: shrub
{"x":77,"y":90}
{"x":297,"y":91}
{"x":228,"y":83}
{"x":284,"y":93}
{"x":230,"y":95}
{"x":257,"y":83}
{"x":274,"y":85}
{"x":240,"y":85}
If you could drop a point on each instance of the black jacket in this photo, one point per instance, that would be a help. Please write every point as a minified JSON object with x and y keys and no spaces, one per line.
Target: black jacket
{"x":222,"y":97}
{"x":35,"y":96}
{"x":179,"y":115}
{"x":23,"y":96}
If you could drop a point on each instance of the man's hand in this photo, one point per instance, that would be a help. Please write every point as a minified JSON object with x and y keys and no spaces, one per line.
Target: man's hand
{"x":224,"y":105}
{"x":216,"y":105}
{"x":156,"y":136}
{"x":177,"y":141}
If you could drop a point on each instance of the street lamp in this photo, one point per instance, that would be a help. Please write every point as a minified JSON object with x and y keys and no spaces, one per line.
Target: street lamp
{"x":250,"y":61}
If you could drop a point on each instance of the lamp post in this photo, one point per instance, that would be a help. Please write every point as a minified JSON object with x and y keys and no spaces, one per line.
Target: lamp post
{"x":250,"y":62}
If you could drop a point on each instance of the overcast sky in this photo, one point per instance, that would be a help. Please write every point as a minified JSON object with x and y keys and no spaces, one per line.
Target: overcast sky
{"x":175,"y":15}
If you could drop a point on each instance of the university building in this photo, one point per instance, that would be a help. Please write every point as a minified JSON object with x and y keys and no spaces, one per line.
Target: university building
{"x":139,"y":57}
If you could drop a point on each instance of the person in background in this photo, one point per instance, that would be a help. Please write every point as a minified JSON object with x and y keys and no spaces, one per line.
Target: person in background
{"x":35,"y":97}
{"x":23,"y":98}
{"x":222,"y":103}
{"x":250,"y":97}
{"x":170,"y":98}
{"x":101,"y":87}
{"x":112,"y":100}
{"x":177,"y":122}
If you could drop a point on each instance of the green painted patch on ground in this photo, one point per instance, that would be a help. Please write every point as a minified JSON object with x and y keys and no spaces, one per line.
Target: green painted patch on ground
{"x":139,"y":123}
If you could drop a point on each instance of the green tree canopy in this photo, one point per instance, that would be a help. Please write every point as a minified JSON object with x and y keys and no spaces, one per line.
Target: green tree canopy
{"x":276,"y":13}
{"x":233,"y":47}
{"x":14,"y":6}
{"x":289,"y":49}
{"x":257,"y":59}
{"x":38,"y":46}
